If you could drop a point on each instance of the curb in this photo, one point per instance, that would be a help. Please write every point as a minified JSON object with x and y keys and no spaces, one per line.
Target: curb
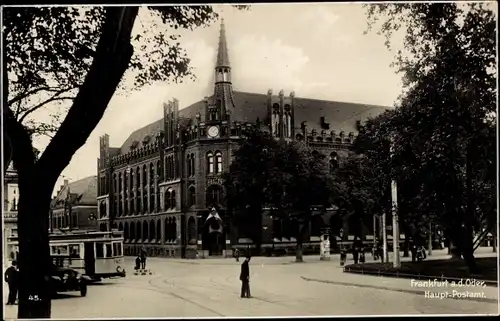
{"x":378,"y":287}
{"x":413,"y":276}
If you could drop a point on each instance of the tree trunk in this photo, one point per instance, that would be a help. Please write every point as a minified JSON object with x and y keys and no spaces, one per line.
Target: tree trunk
{"x":406,"y":247}
{"x":462,"y":239}
{"x":34,"y":255}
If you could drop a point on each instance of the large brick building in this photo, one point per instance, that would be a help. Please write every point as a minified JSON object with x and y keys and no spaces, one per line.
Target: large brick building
{"x":161,"y":184}
{"x":75,"y":207}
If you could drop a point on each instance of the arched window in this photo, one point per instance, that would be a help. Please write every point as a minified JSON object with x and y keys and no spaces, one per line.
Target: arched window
{"x":188,"y":165}
{"x":144,"y":176}
{"x":152,"y":231}
{"x":174,"y":229}
{"x":191,"y":228}
{"x":210,"y":162}
{"x":139,"y":231}
{"x":192,"y":196}
{"x":287,"y":121}
{"x":192,"y":159}
{"x":158,"y":230}
{"x":132,"y":231}
{"x":126,"y":231}
{"x":120,"y":227}
{"x":173,"y":202}
{"x":151,"y":175}
{"x":275,"y":120}
{"x":138,"y":178}
{"x":132,"y":206}
{"x":167,"y":230}
{"x":119,"y":183}
{"x":145,"y":236}
{"x":214,"y":195}
{"x":166,"y":199}
{"x":334,"y":161}
{"x":218,"y":162}
{"x":139,"y":202}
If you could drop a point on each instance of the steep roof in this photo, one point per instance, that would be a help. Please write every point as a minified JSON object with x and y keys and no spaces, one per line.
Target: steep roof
{"x":83,"y":191}
{"x":341,"y":116}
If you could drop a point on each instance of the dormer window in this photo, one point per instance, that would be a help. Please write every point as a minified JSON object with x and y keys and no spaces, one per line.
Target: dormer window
{"x":146,"y":140}
{"x":134,"y":145}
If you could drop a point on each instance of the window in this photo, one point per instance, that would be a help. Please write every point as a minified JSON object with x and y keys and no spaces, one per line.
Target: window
{"x":172,"y":199}
{"x":188,"y":165}
{"x":117,"y":249}
{"x":192,"y":196}
{"x":14,"y":205}
{"x":109,"y":250}
{"x":210,"y":162}
{"x":218,"y":161}
{"x":214,"y":195}
{"x":74,"y":251}
{"x":167,"y":199}
{"x":193,"y":171}
{"x":99,"y":250}
{"x":60,"y":250}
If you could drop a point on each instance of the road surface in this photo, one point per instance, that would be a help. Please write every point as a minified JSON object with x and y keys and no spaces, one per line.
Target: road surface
{"x":210,"y":288}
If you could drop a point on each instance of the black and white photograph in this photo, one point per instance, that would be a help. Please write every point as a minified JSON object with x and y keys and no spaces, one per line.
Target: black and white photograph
{"x":249,"y":160}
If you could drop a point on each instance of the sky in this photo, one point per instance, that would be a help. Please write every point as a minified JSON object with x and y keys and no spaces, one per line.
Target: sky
{"x":317,"y":50}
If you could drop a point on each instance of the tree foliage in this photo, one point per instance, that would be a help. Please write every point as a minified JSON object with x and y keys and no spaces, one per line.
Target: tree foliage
{"x":444,"y":124}
{"x":284,"y":177}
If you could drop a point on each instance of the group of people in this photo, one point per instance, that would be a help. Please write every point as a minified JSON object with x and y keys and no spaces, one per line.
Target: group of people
{"x":12,"y":278}
{"x":140,"y":261}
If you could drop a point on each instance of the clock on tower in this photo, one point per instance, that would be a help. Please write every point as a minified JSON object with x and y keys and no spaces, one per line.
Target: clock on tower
{"x":213,"y":131}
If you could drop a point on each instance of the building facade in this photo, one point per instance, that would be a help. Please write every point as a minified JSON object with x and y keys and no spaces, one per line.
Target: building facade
{"x":163,"y":187}
{"x":10,"y":202}
{"x":75,"y":206}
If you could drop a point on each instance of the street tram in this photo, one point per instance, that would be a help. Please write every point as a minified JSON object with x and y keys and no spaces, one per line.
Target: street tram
{"x":95,"y":254}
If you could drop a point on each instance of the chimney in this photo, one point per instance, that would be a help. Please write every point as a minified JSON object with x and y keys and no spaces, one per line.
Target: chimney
{"x":66,"y":182}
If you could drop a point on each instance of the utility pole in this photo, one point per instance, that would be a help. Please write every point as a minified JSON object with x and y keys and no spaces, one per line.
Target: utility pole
{"x":395,"y":218}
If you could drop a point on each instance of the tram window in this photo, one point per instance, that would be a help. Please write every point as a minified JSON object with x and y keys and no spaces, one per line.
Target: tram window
{"x":60,"y":250}
{"x":99,"y":250}
{"x":74,"y":250}
{"x":117,"y":249}
{"x":109,"y":252}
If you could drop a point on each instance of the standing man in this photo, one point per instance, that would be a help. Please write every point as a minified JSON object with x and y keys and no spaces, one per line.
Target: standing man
{"x":245,"y":278}
{"x":143,"y":258}
{"x":11,"y":277}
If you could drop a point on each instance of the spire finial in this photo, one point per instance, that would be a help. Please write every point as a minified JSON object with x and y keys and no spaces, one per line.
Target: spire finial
{"x":222,"y":54}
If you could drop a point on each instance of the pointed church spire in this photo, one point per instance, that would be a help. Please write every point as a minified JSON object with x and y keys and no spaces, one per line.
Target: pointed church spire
{"x":222,"y":54}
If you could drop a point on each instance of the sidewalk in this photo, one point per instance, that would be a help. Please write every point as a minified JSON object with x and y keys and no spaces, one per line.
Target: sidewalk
{"x":441,"y":290}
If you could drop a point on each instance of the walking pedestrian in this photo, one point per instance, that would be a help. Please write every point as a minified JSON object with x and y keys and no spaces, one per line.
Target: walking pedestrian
{"x":237,"y":255}
{"x":355,"y":249}
{"x":12,"y":278}
{"x":245,"y":278}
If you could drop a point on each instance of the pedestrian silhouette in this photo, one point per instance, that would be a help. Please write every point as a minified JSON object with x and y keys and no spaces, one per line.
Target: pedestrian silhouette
{"x":12,"y":279}
{"x":245,"y":278}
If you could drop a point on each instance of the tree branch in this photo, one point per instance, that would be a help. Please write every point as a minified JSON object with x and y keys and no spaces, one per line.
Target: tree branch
{"x":29,"y":93}
{"x":40,"y":105}
{"x":111,"y":60}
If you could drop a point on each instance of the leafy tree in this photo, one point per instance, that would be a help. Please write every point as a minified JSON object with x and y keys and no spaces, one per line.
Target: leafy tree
{"x":445,"y":116}
{"x":307,"y":183}
{"x":78,"y":56}
{"x":247,"y":181}
{"x":285,"y":177}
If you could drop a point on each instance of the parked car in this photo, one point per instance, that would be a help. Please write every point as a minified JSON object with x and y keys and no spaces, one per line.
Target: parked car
{"x":65,"y":279}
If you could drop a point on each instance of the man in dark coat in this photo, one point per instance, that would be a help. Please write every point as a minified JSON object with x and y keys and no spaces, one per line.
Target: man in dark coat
{"x":12,"y":278}
{"x":143,"y":258}
{"x":245,"y":278}
{"x":356,"y":248}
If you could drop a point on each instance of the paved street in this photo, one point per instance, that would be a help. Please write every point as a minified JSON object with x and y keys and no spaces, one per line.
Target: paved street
{"x":210,"y":288}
